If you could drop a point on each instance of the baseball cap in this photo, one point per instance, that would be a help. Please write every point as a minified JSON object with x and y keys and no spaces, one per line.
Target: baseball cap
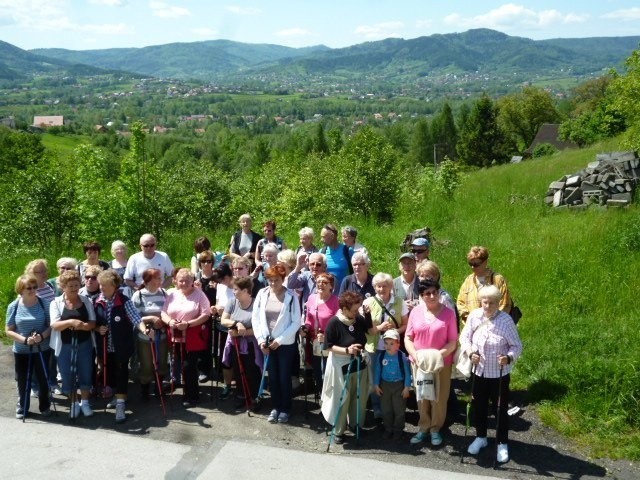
{"x":420,"y":242}
{"x":392,"y":333}
{"x":408,"y":255}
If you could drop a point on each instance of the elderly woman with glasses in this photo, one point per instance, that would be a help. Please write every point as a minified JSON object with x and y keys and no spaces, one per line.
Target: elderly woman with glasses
{"x":27,"y":324}
{"x":62,"y":265}
{"x":430,"y":340}
{"x":482,"y":275}
{"x":491,"y":341}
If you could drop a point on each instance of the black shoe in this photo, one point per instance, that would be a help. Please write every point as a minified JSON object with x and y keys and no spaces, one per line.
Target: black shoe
{"x":190,"y":403}
{"x":226,"y":391}
{"x":338,"y":439}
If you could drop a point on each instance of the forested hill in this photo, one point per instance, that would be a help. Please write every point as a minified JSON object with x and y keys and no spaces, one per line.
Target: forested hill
{"x":196,"y":60}
{"x":18,"y":64}
{"x":479,"y":50}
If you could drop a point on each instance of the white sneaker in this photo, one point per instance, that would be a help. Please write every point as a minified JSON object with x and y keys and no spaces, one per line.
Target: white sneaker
{"x":121,"y":415}
{"x":503,"y":453}
{"x":478,"y":444}
{"x":112,"y":402}
{"x":86,"y":408}
{"x":75,"y":410}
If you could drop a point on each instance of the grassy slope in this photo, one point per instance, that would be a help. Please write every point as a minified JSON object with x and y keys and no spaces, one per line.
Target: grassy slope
{"x":572,"y":273}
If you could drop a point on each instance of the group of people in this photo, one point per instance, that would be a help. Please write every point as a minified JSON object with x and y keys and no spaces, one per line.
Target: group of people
{"x":257,"y":313}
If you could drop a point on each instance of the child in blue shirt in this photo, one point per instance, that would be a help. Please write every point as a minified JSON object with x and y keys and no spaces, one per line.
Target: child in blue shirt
{"x":391,"y":381}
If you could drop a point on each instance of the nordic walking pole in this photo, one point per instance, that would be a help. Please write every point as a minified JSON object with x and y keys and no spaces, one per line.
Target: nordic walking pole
{"x":304,"y":374}
{"x":27,"y":387}
{"x":154,"y":358}
{"x":104,"y":372}
{"x":264,"y":374}
{"x":498,"y":408}
{"x":359,"y":358}
{"x":243,"y":377}
{"x":468,"y":419}
{"x":341,"y":403}
{"x":74,"y":375}
{"x":46,"y":376}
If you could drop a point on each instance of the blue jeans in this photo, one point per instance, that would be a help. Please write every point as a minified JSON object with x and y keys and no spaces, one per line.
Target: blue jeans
{"x":84,"y":366}
{"x":281,"y":363}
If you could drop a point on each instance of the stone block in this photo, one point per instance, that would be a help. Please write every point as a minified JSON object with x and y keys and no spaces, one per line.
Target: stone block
{"x":567,"y":192}
{"x":617,"y":203}
{"x":622,"y":156}
{"x":548,"y":200}
{"x":574,"y":195}
{"x":587,"y":186}
{"x":557,"y":198}
{"x":557,"y":185}
{"x":620,"y":188}
{"x":622,"y":196}
{"x":573,"y":181}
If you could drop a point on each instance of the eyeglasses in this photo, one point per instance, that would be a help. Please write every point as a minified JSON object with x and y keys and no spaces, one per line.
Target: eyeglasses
{"x":315,"y":264}
{"x":430,"y":293}
{"x":148,"y":245}
{"x":322,"y":282}
{"x":90,"y":277}
{"x":415,"y":250}
{"x":475,"y":264}
{"x":359,"y":264}
{"x":31,"y":287}
{"x":240,"y":268}
{"x":206,"y":261}
{"x":67,"y":268}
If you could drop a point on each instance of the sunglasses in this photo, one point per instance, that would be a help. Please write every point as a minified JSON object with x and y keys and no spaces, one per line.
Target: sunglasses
{"x":418,"y":250}
{"x":148,"y":245}
{"x":31,"y":287}
{"x":90,"y":277}
{"x":206,"y":261}
{"x":475,"y":264}
{"x":67,"y":268}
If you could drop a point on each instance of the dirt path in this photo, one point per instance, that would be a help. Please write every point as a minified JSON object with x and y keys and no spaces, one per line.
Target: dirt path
{"x":536,"y":451}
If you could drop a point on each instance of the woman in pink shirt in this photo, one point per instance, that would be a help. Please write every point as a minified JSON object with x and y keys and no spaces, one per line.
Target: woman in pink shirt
{"x":432,"y":326}
{"x":321,"y":307}
{"x":186,"y":311}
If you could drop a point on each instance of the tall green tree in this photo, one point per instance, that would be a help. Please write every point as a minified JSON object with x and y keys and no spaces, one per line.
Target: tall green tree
{"x":625,"y":90}
{"x":422,"y":143}
{"x":482,"y":142}
{"x":444,"y":133}
{"x":522,"y":114}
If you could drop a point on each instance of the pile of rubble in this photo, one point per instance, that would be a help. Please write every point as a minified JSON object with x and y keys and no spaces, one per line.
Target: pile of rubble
{"x":611,"y":181}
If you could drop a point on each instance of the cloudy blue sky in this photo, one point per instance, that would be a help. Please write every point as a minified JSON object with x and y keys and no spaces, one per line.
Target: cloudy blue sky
{"x":94,"y":24}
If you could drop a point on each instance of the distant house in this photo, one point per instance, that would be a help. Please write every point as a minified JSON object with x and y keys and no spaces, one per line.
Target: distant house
{"x":48,"y":121}
{"x":100,"y":129}
{"x":549,"y":133}
{"x":9,"y":122}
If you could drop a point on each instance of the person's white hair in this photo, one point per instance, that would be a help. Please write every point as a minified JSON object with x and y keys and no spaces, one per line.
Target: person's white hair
{"x":270,"y":248}
{"x":67,"y":261}
{"x":306,"y":232}
{"x":287,"y":257}
{"x":360,"y":256}
{"x":490,"y":292}
{"x":116,"y":245}
{"x":244,"y":216}
{"x":318,"y":256}
{"x":382,"y":277}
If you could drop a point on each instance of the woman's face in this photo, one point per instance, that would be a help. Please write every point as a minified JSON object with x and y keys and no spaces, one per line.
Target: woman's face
{"x":120,"y":252}
{"x":270,"y":257}
{"x":108,"y":289}
{"x":383,"y":290}
{"x":269,"y":233}
{"x":306,"y":241}
{"x":71,"y":289}
{"x":184,"y":282}
{"x":29,"y":291}
{"x":241,"y":294}
{"x":154,"y":284}
{"x":92,"y":255}
{"x":240,"y":271}
{"x":275,"y":283}
{"x":323,"y":286}
{"x":431,"y":297}
{"x":64,"y":267}
{"x":41,"y":274}
{"x":245,"y":223}
{"x":489,"y":305}
{"x":478,"y":266}
{"x":206,"y":265}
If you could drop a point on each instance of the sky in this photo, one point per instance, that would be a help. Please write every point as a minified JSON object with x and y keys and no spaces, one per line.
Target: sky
{"x":98,"y":24}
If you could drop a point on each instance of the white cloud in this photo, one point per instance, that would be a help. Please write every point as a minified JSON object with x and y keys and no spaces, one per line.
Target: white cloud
{"x":293,"y":32}
{"x":104,"y":29}
{"x":379,"y":30}
{"x":513,"y":17}
{"x":164,"y":10}
{"x":204,"y":32}
{"x":243,"y":10}
{"x":424,"y":24}
{"x":109,"y":3}
{"x":625,"y":15}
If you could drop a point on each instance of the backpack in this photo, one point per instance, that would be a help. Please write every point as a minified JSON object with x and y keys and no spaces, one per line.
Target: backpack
{"x":425,"y":232}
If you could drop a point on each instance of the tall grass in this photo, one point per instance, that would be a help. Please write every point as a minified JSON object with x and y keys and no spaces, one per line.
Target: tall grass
{"x":573,"y":273}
